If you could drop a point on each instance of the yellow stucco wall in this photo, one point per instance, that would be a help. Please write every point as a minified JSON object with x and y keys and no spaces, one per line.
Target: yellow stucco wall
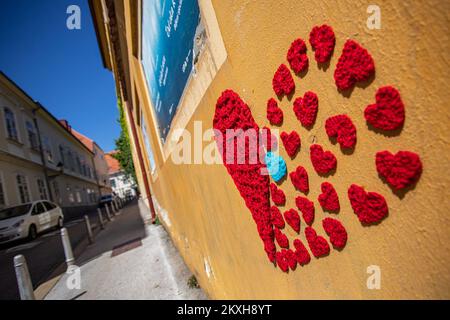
{"x":208,"y":219}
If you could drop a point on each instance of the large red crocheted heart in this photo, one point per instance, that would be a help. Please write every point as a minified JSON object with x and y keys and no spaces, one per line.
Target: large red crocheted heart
{"x":283,"y":83}
{"x":274,"y":113}
{"x":298,"y":60}
{"x":318,"y":245}
{"x":232,"y":113}
{"x":336,"y":231}
{"x":291,"y":142}
{"x":400,"y":170}
{"x":306,"y":108}
{"x":324,"y":162}
{"x":293,"y":219}
{"x":299,"y":179}
{"x":354,"y":65}
{"x":307,"y":209}
{"x":388,"y":112}
{"x":370,"y":207}
{"x":329,"y":199}
{"x":322,"y":40}
{"x":342,"y":127}
{"x":278,"y":196}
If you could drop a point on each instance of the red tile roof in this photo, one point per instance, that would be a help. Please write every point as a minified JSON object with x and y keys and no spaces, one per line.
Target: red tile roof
{"x":89,"y":143}
{"x":113,"y":164}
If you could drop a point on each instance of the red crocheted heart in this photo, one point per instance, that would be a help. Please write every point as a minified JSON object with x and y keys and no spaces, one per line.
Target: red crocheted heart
{"x":307,"y":209}
{"x":282,"y":260}
{"x":299,"y":179}
{"x":282,"y":82}
{"x":400,"y":170}
{"x":274,"y":113}
{"x":306,"y":108}
{"x":232,"y":113}
{"x":291,"y":142}
{"x":388,"y":112}
{"x":278,"y":196}
{"x":318,"y":245}
{"x":298,"y":60}
{"x":329,"y":199}
{"x":291,"y":258}
{"x":370,"y":207}
{"x":336,"y":231}
{"x":301,"y":253}
{"x":354,"y":65}
{"x":281,"y":238}
{"x":342,"y":127}
{"x":323,"y":162}
{"x":322,"y":40}
{"x":276,"y":217}
{"x":293,"y":219}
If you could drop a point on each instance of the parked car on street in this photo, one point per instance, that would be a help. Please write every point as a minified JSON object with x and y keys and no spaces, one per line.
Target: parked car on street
{"x":28,"y":220}
{"x":107,"y":199}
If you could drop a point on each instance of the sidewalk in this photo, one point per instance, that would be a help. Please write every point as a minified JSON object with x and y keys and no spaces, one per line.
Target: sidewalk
{"x":129,"y":260}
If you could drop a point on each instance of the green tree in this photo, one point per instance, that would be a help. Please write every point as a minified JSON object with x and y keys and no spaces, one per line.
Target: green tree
{"x":123,"y":147}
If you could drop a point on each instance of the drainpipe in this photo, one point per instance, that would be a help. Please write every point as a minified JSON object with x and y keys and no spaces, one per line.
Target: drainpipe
{"x":41,"y":151}
{"x":141,"y":163}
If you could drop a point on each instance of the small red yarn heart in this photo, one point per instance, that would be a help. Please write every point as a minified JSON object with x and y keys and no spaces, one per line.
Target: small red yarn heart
{"x":291,"y":142}
{"x":354,"y":65}
{"x":282,"y":260}
{"x":388,"y":112}
{"x":329,"y":199}
{"x":370,"y":207}
{"x":299,"y":179}
{"x":323,"y":161}
{"x":282,"y":82}
{"x":336,"y":231}
{"x":278,"y":196}
{"x":291,"y":258}
{"x":274,"y":113}
{"x":276,"y":217}
{"x":306,"y":108}
{"x":322,"y":40}
{"x":281,"y":238}
{"x":318,"y":245}
{"x":342,"y":127}
{"x":298,"y":60}
{"x":307,"y":209}
{"x":293,"y":219}
{"x":301,"y":253}
{"x":400,"y":170}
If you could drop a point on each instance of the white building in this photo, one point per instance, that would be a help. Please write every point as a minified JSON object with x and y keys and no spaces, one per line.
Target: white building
{"x":122,"y":185}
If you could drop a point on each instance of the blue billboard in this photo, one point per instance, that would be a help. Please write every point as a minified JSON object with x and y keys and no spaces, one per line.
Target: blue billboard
{"x":169,"y":29}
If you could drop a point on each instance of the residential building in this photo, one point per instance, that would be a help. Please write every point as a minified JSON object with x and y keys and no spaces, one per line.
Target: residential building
{"x":122,"y":184}
{"x":172,"y":60}
{"x":40,"y":157}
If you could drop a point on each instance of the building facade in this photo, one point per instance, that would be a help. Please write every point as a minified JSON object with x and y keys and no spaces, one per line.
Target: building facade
{"x":246,"y":42}
{"x":121,"y":184}
{"x":40,"y":158}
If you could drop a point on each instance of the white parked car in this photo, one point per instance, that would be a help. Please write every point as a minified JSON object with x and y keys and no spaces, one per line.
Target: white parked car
{"x":27,"y":220}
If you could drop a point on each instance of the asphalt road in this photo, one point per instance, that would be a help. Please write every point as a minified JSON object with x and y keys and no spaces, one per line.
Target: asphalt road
{"x":44,"y":255}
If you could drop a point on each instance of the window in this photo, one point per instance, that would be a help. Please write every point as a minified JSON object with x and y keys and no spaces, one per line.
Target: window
{"x":42,"y":189}
{"x":78,"y":194}
{"x":47,"y":149}
{"x":70,"y":194}
{"x":113,"y":183}
{"x":38,"y":209}
{"x":32,"y":136}
{"x":2,"y":192}
{"x":11,"y":128}
{"x":62,"y":157}
{"x":78,"y":164}
{"x":70,"y":160}
{"x":22,"y":185}
{"x":57,"y":192}
{"x":49,"y":205}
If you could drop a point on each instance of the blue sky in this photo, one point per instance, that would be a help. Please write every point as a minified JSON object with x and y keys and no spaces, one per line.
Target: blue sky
{"x":60,"y":68}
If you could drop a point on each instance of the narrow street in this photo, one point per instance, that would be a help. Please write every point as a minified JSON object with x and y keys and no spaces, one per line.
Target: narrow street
{"x":44,"y":256}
